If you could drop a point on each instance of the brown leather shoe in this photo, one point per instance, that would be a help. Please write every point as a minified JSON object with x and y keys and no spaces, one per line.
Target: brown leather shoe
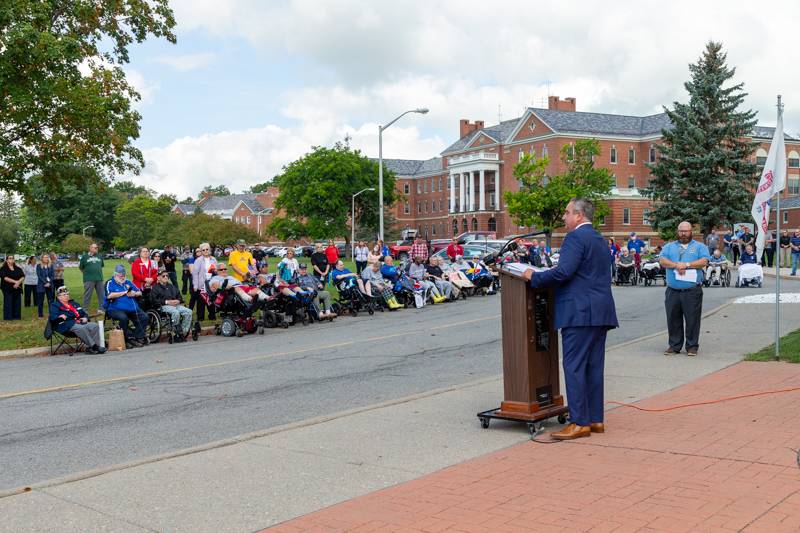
{"x":670,"y":351}
{"x":597,"y":427}
{"x":572,"y":431}
{"x":691,"y":351}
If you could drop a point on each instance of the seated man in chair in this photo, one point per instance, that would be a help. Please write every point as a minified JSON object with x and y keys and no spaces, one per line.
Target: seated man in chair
{"x":716,"y":266}
{"x":625,"y":265}
{"x":122,"y":306}
{"x":167,"y":298}
{"x":66,"y":316}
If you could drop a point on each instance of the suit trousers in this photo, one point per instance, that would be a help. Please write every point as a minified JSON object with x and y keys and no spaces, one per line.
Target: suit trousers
{"x":683,"y":306}
{"x":584,"y":361}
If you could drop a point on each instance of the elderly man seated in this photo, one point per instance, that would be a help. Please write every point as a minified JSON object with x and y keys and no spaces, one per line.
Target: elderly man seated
{"x":625,"y":265}
{"x":122,"y":298}
{"x":67,"y":316}
{"x":373,"y":277}
{"x":322,"y":300}
{"x":343,"y":277}
{"x":221,"y":280}
{"x":167,"y":298}
{"x":436,"y":275}
{"x":716,"y":266}
{"x":418,"y":273}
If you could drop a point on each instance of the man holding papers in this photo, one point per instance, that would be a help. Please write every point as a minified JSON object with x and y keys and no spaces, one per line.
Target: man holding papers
{"x":684,"y":260}
{"x":585,"y":312}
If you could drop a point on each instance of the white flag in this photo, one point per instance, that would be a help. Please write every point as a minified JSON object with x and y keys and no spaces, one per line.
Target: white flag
{"x":773,"y":181}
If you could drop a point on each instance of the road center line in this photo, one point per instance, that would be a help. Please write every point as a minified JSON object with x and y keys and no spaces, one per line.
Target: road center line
{"x":132,"y":377}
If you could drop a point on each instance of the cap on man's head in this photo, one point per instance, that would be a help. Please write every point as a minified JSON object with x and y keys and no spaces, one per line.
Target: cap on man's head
{"x":241,"y":242}
{"x":119,"y":269}
{"x":63,"y":289}
{"x":302,"y":266}
{"x":162,"y":270}
{"x":633,"y":234}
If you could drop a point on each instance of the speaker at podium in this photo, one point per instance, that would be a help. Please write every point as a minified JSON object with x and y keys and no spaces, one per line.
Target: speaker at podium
{"x":531,"y":384}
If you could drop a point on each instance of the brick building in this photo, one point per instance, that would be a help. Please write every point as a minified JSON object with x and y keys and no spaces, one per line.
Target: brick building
{"x":252,"y":210}
{"x":462,"y":189}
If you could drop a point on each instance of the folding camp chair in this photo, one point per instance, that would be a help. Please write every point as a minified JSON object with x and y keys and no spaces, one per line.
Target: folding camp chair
{"x":69,"y":341}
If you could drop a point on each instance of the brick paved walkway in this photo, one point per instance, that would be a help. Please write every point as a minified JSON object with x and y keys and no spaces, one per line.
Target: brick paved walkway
{"x":723,"y":467}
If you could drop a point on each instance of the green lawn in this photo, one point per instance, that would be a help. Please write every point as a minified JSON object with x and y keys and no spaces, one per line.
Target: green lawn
{"x":27,"y":332}
{"x":790,"y":350}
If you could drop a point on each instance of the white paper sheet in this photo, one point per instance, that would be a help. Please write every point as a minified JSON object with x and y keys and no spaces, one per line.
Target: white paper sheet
{"x":690,"y":275}
{"x":520,"y":268}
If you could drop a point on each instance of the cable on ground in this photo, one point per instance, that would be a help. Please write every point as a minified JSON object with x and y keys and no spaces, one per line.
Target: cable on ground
{"x":708,"y":402}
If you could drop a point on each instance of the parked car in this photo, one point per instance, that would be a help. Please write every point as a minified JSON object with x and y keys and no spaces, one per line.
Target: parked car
{"x":469,"y":251}
{"x":401,"y":250}
{"x":439,"y":244}
{"x":468,"y":236}
{"x":279,"y":251}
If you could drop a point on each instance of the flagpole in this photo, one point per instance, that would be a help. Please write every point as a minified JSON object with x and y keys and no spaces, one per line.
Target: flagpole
{"x":778,"y":264}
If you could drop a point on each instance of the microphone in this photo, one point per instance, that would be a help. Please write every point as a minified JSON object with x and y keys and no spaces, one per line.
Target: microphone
{"x":515,"y":237}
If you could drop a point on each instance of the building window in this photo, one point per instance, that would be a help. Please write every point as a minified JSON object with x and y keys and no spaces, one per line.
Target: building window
{"x":761,"y":157}
{"x":602,"y":220}
{"x":491,"y":200}
{"x":474,"y":224}
{"x":646,"y":217}
{"x":248,"y":221}
{"x":652,"y":154}
{"x":794,"y":184}
{"x":521,"y":155}
{"x":785,"y":217}
{"x":794,"y":159}
{"x":631,"y":156}
{"x":464,"y":224}
{"x":455,"y":227}
{"x":492,"y":224}
{"x":631,"y":182}
{"x":533,"y":152}
{"x":259,"y":219}
{"x":545,"y":180}
{"x":613,"y":155}
{"x":440,"y":184}
{"x":433,"y":229}
{"x":425,"y":186}
{"x":406,"y":189}
{"x":544,"y":151}
{"x":419,"y":207}
{"x":426,"y":206}
{"x":626,"y":215}
{"x":406,"y":208}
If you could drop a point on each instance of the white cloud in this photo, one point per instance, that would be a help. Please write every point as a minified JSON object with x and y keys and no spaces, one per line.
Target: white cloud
{"x":187,"y":62}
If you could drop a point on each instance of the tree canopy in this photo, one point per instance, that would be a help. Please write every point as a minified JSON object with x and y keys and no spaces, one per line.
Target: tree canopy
{"x":541,"y":200}
{"x":64,"y":97}
{"x":316,"y":193}
{"x":141,"y":219}
{"x":704,"y":173}
{"x":216,"y":190}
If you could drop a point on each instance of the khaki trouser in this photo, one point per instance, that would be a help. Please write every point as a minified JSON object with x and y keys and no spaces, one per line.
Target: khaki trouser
{"x":785,"y":257}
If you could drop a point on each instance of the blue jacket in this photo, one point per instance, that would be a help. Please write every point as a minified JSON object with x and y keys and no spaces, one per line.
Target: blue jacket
{"x":57,"y":309}
{"x":582,"y":280}
{"x":42,"y":275}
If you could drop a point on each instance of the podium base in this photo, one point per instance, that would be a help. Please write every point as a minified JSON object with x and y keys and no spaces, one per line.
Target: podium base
{"x":529,"y":417}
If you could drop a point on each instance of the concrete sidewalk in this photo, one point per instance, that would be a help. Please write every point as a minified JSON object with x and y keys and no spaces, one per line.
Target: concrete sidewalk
{"x":263,"y":479}
{"x":728,"y":466}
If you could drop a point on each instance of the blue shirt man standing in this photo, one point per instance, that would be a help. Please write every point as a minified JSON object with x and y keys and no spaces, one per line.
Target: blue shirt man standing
{"x":684,"y":260}
{"x":585,"y":311}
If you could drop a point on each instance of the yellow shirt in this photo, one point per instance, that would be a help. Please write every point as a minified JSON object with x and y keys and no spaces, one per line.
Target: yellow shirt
{"x":241,"y":260}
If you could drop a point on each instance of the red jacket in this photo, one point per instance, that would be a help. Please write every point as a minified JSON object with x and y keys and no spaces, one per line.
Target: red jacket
{"x":140,"y":271}
{"x":332,"y":253}
{"x":454,"y":250}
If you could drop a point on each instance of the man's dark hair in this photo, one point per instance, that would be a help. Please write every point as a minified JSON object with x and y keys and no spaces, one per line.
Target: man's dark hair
{"x":585,"y":206}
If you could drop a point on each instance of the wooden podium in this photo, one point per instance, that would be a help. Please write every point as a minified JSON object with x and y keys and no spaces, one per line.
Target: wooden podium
{"x":531,"y":386}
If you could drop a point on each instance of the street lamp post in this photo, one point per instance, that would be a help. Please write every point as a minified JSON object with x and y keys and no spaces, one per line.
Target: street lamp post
{"x":422,"y":111}
{"x":84,"y":230}
{"x":353,"y":222}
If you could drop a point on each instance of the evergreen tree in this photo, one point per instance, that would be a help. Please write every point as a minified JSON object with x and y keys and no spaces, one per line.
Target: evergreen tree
{"x":704,"y":173}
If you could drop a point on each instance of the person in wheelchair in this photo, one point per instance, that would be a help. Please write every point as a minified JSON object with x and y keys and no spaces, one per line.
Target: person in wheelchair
{"x":342,"y":277}
{"x":419,"y":273}
{"x":625,"y":266}
{"x":322,"y":299}
{"x":122,"y":305}
{"x":373,"y":277}
{"x":67,"y":316}
{"x":250,"y":295}
{"x":717,"y":266}
{"x":167,"y":299}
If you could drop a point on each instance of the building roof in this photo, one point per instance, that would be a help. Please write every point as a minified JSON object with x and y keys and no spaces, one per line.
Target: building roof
{"x":186,"y":208}
{"x":792,"y":202}
{"x":498,"y":132}
{"x":409,"y":168}
{"x":766,"y":132}
{"x":226,"y":204}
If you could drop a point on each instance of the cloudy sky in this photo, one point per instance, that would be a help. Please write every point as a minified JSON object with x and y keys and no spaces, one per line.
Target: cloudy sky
{"x":254,"y":84}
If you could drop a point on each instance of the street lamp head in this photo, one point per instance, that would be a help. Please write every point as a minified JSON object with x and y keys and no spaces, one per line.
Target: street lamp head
{"x":370,"y":189}
{"x":421,"y":110}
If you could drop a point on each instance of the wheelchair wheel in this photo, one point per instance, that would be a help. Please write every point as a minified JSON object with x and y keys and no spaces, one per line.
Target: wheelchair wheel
{"x":153,"y":329}
{"x":336,"y":307}
{"x":726,"y":278}
{"x":228,"y":327}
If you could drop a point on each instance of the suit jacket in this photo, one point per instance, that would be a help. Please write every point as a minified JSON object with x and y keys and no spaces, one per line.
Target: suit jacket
{"x":582,"y":280}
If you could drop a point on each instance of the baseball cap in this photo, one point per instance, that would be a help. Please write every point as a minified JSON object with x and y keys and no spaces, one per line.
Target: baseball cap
{"x":119,"y":269}
{"x":633,"y":233}
{"x":241,"y":242}
{"x":63,"y":289}
{"x":302,"y":265}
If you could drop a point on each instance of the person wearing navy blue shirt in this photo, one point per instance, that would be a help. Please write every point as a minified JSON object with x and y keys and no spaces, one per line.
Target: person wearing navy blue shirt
{"x":794,"y":246}
{"x":749,"y":256}
{"x":636,"y":245}
{"x":585,"y":311}
{"x":121,"y":296}
{"x":684,"y":260}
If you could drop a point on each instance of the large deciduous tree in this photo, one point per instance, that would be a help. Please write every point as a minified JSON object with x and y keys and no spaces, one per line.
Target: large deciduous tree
{"x":316,"y":193}
{"x":9,"y":223}
{"x":541,"y":200}
{"x":141,"y":219}
{"x":704,"y":173}
{"x":64,"y":97}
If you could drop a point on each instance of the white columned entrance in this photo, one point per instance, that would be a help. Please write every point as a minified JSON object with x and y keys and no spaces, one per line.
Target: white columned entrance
{"x":497,"y":190}
{"x":482,"y":192}
{"x":452,"y":193}
{"x":471,"y":202}
{"x":461,"y":194}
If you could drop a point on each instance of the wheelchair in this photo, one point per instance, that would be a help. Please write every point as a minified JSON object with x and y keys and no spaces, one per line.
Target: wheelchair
{"x":632,"y":278}
{"x":159,"y":323}
{"x":724,"y":279}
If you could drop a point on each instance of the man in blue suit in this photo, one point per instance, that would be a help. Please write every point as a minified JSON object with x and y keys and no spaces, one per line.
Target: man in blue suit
{"x":585,"y":311}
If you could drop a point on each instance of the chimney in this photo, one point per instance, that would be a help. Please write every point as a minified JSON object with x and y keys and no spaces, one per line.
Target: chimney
{"x":567,"y":104}
{"x":465,"y":127}
{"x":204,"y":196}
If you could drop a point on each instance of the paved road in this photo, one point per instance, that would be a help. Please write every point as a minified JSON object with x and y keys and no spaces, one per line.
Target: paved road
{"x":165,"y":398}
